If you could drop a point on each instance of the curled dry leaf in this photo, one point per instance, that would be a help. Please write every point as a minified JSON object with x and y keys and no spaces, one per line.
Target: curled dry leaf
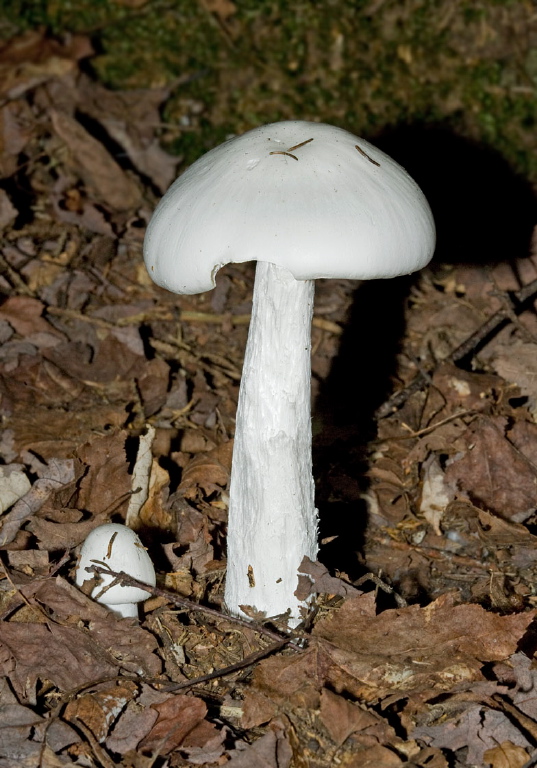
{"x":208,"y":472}
{"x":479,"y":729}
{"x":96,"y":166}
{"x":314,"y":578}
{"x":179,"y":717}
{"x":57,"y":473}
{"x":343,"y":719}
{"x":100,"y":709}
{"x":506,"y":755}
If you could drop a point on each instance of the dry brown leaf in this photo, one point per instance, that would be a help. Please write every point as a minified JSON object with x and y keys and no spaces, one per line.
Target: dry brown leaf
{"x":152,"y":383}
{"x":257,"y":709}
{"x":106,"y":481}
{"x":209,"y":472}
{"x":373,"y":757}
{"x":442,"y":631}
{"x":517,"y":364}
{"x":398,"y":652}
{"x":479,"y":729}
{"x":178,"y":718}
{"x":31,"y":59}
{"x":155,"y":512}
{"x":52,"y":476}
{"x":63,"y":655}
{"x":342,"y":719}
{"x":17,"y":724}
{"x":523,"y":435}
{"x":25,"y":314}
{"x":118,"y":641}
{"x":134,"y":724}
{"x":16,"y":129}
{"x":100,"y":709}
{"x":35,"y":430}
{"x":314,"y":578}
{"x":272,"y":750}
{"x":130,"y":118}
{"x":96,"y":166}
{"x":296,"y":681}
{"x":8,"y":212}
{"x":506,"y":755}
{"x":494,"y":473}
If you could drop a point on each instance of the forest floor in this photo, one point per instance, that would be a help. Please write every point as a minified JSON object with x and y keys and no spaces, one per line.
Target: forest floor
{"x":420,"y":647}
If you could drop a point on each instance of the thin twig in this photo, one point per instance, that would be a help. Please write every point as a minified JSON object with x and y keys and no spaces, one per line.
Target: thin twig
{"x":99,"y":753}
{"x":187,"y":316}
{"x":364,"y":154}
{"x":128,"y":581}
{"x":253,"y":658}
{"x":425,"y":430}
{"x":468,"y":347}
{"x":297,"y":146}
{"x":281,"y":152}
{"x":399,"y":599}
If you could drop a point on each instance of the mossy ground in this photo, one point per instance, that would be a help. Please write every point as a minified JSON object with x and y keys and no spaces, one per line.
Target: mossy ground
{"x":367,"y":65}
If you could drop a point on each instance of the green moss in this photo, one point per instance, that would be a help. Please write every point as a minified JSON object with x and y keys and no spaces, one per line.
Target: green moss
{"x":363,"y":65}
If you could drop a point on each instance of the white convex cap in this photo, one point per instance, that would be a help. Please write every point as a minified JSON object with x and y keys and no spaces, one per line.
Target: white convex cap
{"x":336,"y":206}
{"x":120,"y":549}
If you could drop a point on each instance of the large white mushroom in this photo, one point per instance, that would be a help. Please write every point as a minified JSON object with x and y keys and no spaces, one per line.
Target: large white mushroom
{"x":304,"y":200}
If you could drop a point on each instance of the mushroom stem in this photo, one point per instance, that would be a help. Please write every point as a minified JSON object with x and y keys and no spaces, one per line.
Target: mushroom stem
{"x":272,"y":515}
{"x":126,"y":610}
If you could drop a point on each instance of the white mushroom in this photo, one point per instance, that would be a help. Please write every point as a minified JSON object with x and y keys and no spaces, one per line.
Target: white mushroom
{"x":119,"y":548}
{"x":305,"y":200}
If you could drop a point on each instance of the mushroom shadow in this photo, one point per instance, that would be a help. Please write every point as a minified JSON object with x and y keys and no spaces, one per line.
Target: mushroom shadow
{"x":484,"y":214}
{"x":484,"y":211}
{"x":357,"y":385}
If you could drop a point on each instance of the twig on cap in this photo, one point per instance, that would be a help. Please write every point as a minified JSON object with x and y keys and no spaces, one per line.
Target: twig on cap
{"x":361,"y":151}
{"x":297,"y":146}
{"x":288,"y":152}
{"x":281,"y":152}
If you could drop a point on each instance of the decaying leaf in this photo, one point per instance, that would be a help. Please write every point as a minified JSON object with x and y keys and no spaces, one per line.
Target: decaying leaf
{"x":97,"y":167}
{"x":179,"y":717}
{"x":478,"y":729}
{"x":208,"y":471}
{"x":270,"y":751}
{"x":506,"y":755}
{"x":493,"y":473}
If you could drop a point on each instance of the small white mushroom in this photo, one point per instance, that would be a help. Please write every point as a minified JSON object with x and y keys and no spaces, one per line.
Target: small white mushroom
{"x":305,"y":200}
{"x":118,"y":548}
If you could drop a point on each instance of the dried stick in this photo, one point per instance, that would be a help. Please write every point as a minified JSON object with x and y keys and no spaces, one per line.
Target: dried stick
{"x":128,"y":581}
{"x":253,"y":658}
{"x":490,"y":326}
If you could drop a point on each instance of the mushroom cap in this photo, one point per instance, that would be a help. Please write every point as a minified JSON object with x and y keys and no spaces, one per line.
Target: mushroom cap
{"x":331,"y":212}
{"x":119,"y":548}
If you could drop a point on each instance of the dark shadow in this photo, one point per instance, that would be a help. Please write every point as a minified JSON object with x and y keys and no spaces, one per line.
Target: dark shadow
{"x":484,"y":213}
{"x":358,"y":383}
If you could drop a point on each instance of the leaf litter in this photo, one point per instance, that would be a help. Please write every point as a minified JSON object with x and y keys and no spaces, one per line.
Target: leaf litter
{"x":118,"y":400}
